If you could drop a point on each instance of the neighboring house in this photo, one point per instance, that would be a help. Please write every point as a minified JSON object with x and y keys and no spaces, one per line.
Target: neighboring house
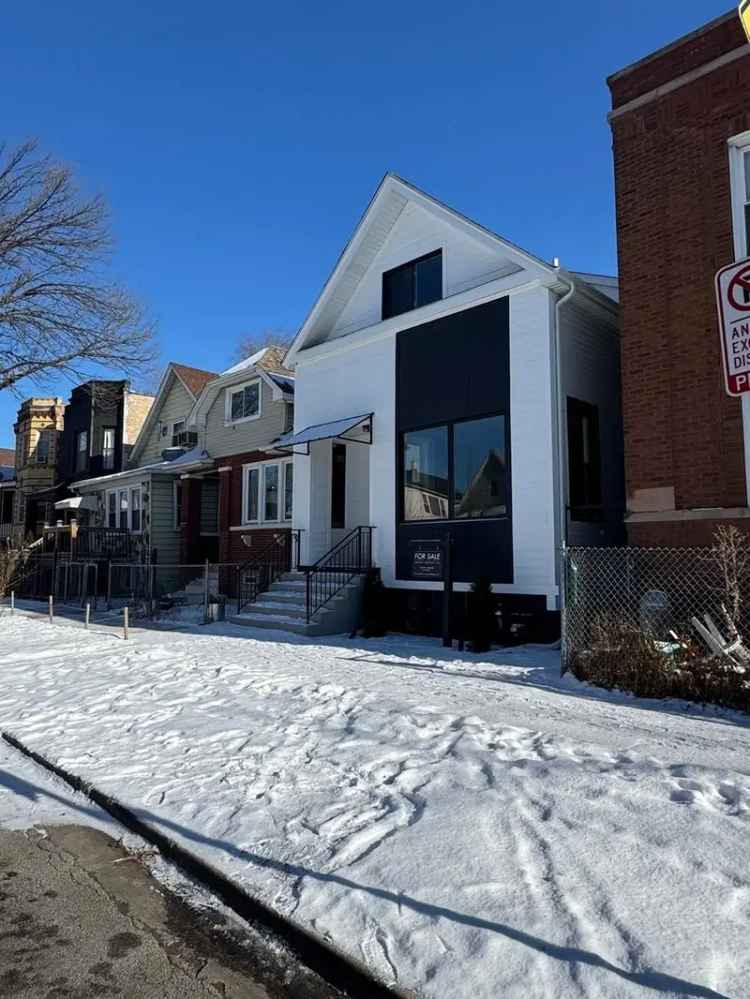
{"x":101,"y":423}
{"x":7,"y":491}
{"x":681,"y":138}
{"x":204,"y":481}
{"x":146,"y":497}
{"x":38,"y":429}
{"x":449,"y":382}
{"x":237,"y":418}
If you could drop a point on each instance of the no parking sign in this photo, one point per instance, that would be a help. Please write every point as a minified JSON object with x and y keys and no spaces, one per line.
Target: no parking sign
{"x":733,"y":302}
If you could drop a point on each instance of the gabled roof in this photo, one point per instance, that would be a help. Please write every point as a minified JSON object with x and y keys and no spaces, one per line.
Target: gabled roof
{"x":264,"y":364}
{"x":194,"y":381}
{"x":391,"y":198}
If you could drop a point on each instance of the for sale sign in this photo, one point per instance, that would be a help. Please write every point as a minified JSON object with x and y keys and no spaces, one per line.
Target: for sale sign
{"x":733,"y":301}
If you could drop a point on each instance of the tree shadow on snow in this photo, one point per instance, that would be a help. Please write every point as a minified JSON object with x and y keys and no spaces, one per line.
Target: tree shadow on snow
{"x":648,"y":978}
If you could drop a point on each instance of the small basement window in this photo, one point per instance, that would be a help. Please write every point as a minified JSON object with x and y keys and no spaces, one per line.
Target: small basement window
{"x":412,"y":285}
{"x":584,"y":461}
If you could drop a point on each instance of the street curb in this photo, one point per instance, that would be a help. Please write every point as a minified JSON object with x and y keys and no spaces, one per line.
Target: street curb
{"x":321,"y":956}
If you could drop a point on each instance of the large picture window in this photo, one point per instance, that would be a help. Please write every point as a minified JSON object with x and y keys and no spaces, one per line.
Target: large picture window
{"x":739,"y":163}
{"x":584,"y":461}
{"x":267,"y":492}
{"x":412,"y":285}
{"x":456,"y":471}
{"x":243,"y":402}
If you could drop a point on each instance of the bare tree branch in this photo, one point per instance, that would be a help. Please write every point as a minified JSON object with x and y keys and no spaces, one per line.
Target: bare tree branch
{"x":251,"y":343}
{"x":58,"y":312}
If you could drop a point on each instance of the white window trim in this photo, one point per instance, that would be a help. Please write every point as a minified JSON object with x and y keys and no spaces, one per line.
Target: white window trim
{"x":129,"y":490}
{"x":231,"y":390}
{"x":281,"y":463}
{"x":738,"y":146}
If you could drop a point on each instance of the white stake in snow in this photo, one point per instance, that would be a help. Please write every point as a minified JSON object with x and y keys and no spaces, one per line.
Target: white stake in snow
{"x":13,"y":601}
{"x":125,"y":624}
{"x":51,"y":609}
{"x":87,"y":617}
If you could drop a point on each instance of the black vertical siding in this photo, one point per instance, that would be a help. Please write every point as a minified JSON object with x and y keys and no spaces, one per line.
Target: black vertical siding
{"x":453,"y":369}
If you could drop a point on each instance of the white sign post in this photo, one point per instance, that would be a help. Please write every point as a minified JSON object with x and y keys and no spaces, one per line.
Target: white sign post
{"x":733,"y":303}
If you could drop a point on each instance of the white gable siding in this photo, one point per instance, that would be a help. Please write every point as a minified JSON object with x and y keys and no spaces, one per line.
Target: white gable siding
{"x":532,"y":463}
{"x":347,"y":384}
{"x":176,"y":405}
{"x":417,"y":231}
{"x":590,"y":371}
{"x":239,"y":438}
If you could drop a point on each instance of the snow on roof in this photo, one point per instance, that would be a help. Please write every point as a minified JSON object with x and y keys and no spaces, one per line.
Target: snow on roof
{"x":270,"y":359}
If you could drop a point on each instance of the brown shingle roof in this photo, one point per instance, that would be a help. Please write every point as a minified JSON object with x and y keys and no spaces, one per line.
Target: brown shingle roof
{"x":7,"y":457}
{"x":273,"y":360}
{"x":195,"y":379}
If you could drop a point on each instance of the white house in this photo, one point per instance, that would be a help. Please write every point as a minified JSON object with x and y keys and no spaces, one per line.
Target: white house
{"x":449,"y":382}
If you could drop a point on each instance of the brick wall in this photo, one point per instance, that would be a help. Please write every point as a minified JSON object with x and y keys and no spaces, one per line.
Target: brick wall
{"x":231,"y":546}
{"x":683,"y":434}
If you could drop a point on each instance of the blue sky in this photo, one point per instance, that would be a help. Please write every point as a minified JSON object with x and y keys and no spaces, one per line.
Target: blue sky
{"x":237,"y":143}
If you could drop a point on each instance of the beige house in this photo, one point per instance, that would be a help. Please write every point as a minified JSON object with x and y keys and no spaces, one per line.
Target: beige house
{"x":38,"y":429}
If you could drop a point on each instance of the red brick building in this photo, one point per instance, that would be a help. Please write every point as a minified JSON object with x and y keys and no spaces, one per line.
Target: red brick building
{"x":681,"y":138}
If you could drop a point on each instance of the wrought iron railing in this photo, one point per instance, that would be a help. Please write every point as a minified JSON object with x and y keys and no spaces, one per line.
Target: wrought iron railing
{"x":92,"y":543}
{"x":327,"y":577}
{"x":278,"y":555}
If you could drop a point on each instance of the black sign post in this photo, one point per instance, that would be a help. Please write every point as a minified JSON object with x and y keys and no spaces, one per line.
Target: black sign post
{"x":431,"y":562}
{"x":448,"y":592}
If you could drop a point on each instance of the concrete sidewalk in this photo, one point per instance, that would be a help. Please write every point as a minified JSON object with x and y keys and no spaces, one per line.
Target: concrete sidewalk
{"x":81,"y":918}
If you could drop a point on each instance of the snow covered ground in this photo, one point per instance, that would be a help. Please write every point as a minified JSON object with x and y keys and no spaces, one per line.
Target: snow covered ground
{"x":468,"y":828}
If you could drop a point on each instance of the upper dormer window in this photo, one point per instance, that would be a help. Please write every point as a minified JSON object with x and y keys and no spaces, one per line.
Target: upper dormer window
{"x":243,"y":402}
{"x":412,"y":285}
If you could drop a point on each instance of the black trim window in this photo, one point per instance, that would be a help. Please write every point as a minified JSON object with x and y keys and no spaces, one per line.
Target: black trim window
{"x":338,"y":486}
{"x":108,"y":447}
{"x":412,"y":285}
{"x":456,"y":471}
{"x":584,"y":461}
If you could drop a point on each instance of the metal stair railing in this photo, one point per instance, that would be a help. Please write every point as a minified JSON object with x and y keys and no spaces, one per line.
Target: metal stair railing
{"x":326,"y":578}
{"x":279,"y":555}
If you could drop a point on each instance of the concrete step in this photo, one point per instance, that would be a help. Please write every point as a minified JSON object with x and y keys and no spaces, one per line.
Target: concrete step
{"x":282,"y":597}
{"x":283,"y":587}
{"x":297,"y":611}
{"x":275,"y":621}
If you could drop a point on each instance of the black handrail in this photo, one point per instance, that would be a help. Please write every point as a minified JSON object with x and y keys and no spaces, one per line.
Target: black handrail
{"x":269,"y":563}
{"x":324,"y":579}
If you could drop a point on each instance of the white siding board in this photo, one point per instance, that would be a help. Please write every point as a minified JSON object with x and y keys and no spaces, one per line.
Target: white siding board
{"x":467,"y":262}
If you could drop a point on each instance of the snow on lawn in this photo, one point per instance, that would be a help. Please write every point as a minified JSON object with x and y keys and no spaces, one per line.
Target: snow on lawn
{"x":468,"y":828}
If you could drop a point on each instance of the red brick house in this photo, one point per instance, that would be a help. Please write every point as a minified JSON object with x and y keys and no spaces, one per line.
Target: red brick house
{"x":681,"y":138}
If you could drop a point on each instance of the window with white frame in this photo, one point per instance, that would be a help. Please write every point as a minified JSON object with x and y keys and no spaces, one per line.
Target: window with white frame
{"x":124,"y":508}
{"x":108,"y":447}
{"x":243,"y":402}
{"x":739,"y":162}
{"x":135,"y":509}
{"x":267,"y":492}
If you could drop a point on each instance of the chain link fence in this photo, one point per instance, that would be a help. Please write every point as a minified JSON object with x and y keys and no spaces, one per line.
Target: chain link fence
{"x":630,"y":620}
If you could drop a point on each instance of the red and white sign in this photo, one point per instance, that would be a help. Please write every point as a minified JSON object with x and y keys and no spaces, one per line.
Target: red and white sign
{"x":733,"y":301}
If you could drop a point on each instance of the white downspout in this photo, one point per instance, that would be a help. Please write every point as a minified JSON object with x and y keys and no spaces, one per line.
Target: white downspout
{"x":562,"y":510}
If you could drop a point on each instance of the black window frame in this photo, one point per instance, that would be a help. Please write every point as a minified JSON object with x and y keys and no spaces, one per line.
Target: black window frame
{"x":338,"y":496}
{"x":586,"y":495}
{"x":450,"y":519}
{"x":411,"y":267}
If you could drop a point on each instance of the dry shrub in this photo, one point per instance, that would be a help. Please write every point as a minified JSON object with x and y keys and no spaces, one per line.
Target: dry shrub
{"x":624,"y":657}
